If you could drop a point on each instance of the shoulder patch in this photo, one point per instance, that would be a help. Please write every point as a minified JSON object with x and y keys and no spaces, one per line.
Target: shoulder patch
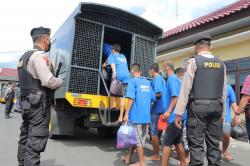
{"x":190,"y":59}
{"x":46,"y":59}
{"x":19,"y":63}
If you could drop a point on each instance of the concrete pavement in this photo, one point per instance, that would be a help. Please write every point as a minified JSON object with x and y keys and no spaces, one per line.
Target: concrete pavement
{"x":87,"y":148}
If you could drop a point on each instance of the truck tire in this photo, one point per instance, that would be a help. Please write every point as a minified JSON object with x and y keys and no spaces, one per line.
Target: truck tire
{"x":107,"y":131}
{"x":61,"y":125}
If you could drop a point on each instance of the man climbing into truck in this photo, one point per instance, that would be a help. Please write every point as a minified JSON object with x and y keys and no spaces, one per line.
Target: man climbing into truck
{"x":119,"y":66}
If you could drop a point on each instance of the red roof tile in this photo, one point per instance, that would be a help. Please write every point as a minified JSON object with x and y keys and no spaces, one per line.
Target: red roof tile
{"x":8,"y":72}
{"x":226,"y":11}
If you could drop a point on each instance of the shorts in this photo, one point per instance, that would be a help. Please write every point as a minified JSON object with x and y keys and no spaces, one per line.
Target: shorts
{"x":124,"y":89}
{"x":226,"y":128}
{"x":184,"y":139}
{"x":141,"y":133}
{"x":173,"y":136}
{"x":154,"y":124}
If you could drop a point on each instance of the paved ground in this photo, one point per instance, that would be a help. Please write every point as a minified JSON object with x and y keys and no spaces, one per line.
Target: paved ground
{"x":87,"y":149}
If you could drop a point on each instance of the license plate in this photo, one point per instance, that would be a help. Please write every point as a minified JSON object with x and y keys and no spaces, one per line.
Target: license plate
{"x":95,"y":118}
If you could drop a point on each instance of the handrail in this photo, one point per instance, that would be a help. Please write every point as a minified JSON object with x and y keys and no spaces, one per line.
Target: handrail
{"x":104,"y":120}
{"x":107,"y":91}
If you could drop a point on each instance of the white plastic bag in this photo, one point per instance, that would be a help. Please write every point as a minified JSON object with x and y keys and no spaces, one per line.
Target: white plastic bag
{"x":126,"y":136}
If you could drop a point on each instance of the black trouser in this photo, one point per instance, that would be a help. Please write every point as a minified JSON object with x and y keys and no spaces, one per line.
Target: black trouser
{"x":204,"y":122}
{"x":34,"y":133}
{"x":248,"y":130}
{"x":247,"y":115}
{"x":8,"y":107}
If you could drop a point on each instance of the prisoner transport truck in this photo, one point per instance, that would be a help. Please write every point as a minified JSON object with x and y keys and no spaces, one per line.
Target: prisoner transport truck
{"x":77,"y":46}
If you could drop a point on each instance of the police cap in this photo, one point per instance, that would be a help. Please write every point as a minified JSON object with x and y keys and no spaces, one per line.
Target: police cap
{"x":40,"y":31}
{"x":202,"y":37}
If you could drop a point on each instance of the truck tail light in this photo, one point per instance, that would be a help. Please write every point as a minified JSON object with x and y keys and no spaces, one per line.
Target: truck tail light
{"x":82,"y":102}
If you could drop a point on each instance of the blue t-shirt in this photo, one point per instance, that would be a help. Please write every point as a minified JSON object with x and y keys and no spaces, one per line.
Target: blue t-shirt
{"x":173,"y":86}
{"x":107,"y":50}
{"x":141,"y":91}
{"x":230,"y":99}
{"x":121,"y":67}
{"x":184,"y":118}
{"x":159,"y":86}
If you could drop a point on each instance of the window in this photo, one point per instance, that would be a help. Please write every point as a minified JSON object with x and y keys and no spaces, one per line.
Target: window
{"x":231,"y":79}
{"x":243,"y":75}
{"x":244,"y":63}
{"x":237,"y":70}
{"x":231,"y":65}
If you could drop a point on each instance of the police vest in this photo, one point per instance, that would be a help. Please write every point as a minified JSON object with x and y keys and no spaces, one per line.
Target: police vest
{"x":209,"y":79}
{"x":27,"y":83}
{"x":10,"y":96}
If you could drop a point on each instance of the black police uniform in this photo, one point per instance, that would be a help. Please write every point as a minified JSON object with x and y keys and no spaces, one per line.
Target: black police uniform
{"x":205,"y":110}
{"x":36,"y":102}
{"x":9,"y":99}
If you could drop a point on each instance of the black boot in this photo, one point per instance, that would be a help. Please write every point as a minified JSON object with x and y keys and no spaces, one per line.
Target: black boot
{"x":7,"y":114}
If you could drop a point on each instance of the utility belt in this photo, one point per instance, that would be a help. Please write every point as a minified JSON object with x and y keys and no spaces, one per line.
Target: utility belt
{"x":27,"y":92}
{"x":36,"y":101}
{"x":206,"y":101}
{"x":198,"y":102}
{"x":35,"y":98}
{"x":47,"y":94}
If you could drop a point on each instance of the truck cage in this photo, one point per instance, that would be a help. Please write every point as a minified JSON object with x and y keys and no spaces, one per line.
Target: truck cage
{"x":92,"y":25}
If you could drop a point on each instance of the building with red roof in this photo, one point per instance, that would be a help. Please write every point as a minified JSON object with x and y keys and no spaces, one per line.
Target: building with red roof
{"x":8,"y":74}
{"x":230,"y":31}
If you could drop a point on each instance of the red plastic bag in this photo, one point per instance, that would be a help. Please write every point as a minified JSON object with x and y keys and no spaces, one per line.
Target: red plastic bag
{"x":162,"y":123}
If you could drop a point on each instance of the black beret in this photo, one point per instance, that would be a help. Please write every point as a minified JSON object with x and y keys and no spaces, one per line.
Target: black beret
{"x":40,"y":31}
{"x":202,"y":37}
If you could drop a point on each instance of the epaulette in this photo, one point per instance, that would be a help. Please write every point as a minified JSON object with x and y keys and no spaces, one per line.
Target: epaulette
{"x":190,"y":57}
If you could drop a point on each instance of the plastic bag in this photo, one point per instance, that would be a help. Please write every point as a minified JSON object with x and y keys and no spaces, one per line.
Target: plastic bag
{"x":162,"y":123}
{"x":126,"y":136}
{"x":238,"y":131}
{"x":116,"y":88}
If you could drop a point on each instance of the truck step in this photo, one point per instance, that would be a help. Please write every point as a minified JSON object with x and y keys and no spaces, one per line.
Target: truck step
{"x":112,"y":124}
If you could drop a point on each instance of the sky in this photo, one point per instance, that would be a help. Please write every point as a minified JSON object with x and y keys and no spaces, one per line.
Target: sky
{"x":18,"y":17}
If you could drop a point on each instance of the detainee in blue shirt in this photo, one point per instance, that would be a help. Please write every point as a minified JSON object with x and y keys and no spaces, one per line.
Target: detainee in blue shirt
{"x":173,"y":134}
{"x":107,"y":50}
{"x":140,"y":95}
{"x":159,"y":88}
{"x":106,"y":69}
{"x":230,"y":102}
{"x":119,"y":66}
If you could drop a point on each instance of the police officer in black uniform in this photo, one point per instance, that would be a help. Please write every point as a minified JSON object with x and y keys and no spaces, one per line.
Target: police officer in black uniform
{"x":203,"y":92}
{"x":37,"y":83}
{"x":9,"y":99}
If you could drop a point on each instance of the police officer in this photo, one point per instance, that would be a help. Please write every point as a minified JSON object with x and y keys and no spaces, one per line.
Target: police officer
{"x":203,"y":92}
{"x":9,"y":99}
{"x":37,"y":83}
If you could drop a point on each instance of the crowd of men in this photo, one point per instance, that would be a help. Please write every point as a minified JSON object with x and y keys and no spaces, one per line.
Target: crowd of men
{"x":195,"y":103}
